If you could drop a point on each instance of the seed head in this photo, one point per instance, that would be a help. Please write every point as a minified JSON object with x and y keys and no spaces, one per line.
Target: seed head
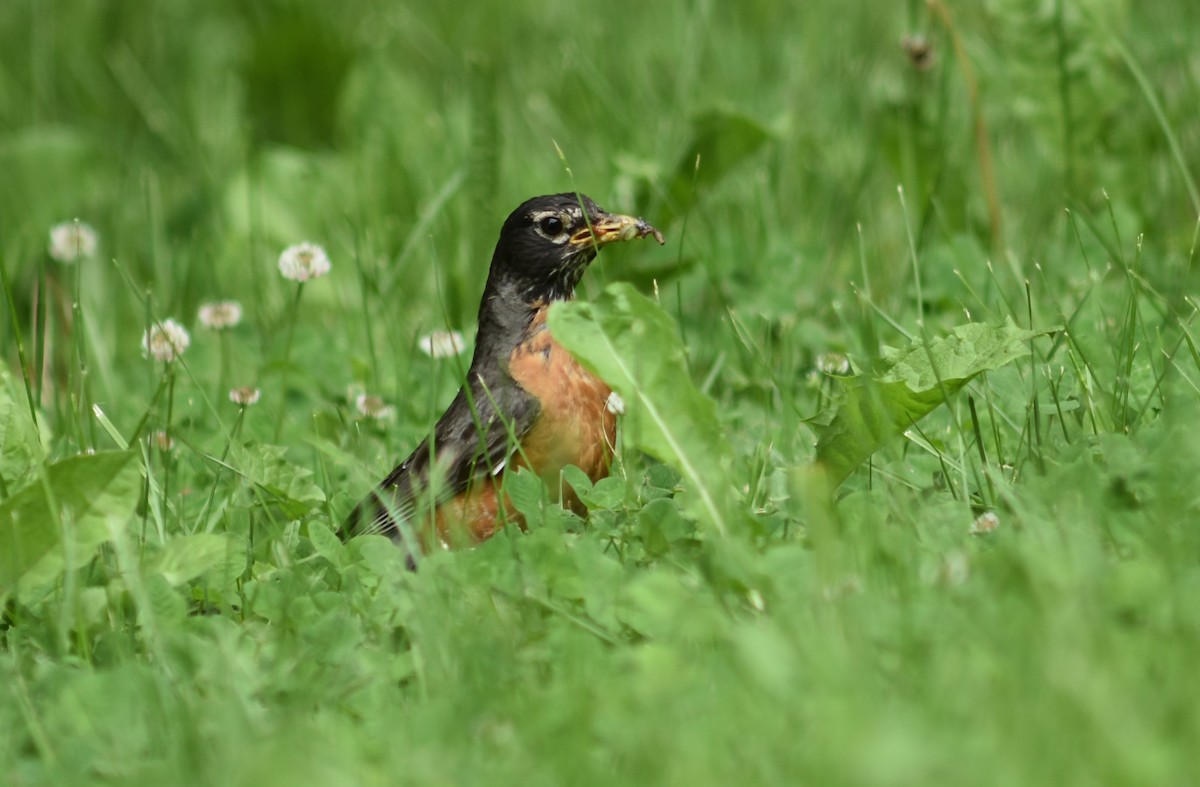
{"x":165,"y":341}
{"x":303,"y":261}
{"x":919,"y":50}
{"x":71,"y":240}
{"x":244,"y":397}
{"x":833,"y":363}
{"x":370,"y":406}
{"x":219,"y":315}
{"x":984,"y":523}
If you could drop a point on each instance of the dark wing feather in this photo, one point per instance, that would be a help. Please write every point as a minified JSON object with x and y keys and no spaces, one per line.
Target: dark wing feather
{"x":472,"y":440}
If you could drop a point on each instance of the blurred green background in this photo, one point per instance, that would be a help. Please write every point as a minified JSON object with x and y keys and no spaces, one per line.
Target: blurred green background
{"x":199,"y":138}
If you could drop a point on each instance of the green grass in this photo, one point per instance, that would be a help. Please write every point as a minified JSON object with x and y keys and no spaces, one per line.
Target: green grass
{"x":722,"y":616}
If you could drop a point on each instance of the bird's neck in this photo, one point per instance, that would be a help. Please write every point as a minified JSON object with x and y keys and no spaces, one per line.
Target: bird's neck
{"x":506,"y":314}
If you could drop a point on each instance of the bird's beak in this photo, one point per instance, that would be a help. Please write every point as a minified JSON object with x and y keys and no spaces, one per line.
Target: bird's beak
{"x":613,"y":228}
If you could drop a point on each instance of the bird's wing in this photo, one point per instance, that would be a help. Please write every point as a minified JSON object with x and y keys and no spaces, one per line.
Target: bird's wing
{"x":473,"y":440}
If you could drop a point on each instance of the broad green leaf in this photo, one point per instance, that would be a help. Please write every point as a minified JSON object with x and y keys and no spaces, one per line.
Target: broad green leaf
{"x":380,"y":555}
{"x":289,"y":486}
{"x":93,"y":496}
{"x":21,"y":446}
{"x":605,"y":493}
{"x":184,"y":558}
{"x":527,"y":493}
{"x":326,"y":543}
{"x":906,"y":386}
{"x":578,"y":480}
{"x":631,"y":343}
{"x":230,"y":567}
{"x":661,"y":524}
{"x":164,"y":601}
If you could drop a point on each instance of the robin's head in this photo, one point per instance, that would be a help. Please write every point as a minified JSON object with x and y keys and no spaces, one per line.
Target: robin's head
{"x":546,"y":244}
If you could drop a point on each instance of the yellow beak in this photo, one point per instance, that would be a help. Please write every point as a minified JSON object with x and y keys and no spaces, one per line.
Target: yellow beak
{"x":614,"y":228}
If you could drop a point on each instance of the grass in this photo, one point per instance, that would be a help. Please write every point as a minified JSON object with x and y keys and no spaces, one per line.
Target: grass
{"x":193,"y":619}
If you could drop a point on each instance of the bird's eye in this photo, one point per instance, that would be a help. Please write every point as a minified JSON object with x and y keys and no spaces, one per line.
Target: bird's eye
{"x":551,"y":225}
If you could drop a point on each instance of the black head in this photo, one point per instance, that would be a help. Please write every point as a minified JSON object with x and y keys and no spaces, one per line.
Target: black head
{"x":546,"y":244}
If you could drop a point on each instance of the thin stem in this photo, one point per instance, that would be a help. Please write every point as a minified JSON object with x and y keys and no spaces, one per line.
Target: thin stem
{"x":287,"y":355}
{"x":77,"y":328}
{"x":912,"y":250}
{"x":137,"y":430}
{"x":983,"y":150}
{"x":223,"y":360}
{"x":16,"y":327}
{"x":165,"y":443}
{"x":1064,"y":98}
{"x":212,"y":493}
{"x":366,"y":312}
{"x":46,"y":392}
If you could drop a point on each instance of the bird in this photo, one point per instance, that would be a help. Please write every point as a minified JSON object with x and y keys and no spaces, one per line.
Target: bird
{"x":526,"y":402}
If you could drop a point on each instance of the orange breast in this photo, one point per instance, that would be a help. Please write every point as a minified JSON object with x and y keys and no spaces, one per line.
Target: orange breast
{"x":574,"y":427}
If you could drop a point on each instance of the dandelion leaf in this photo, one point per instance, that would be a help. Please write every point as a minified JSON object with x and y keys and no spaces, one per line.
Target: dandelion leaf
{"x":21,"y":447}
{"x":905,"y":386}
{"x":186,"y":557}
{"x":632,"y":344}
{"x":84,"y":498}
{"x":326,"y":543}
{"x":284,"y":484}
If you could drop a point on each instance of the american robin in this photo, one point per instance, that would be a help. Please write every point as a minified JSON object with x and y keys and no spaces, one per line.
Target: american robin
{"x":526,"y":401}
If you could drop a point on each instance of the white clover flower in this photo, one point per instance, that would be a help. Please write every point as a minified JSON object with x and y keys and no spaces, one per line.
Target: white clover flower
{"x":614,"y":403}
{"x":442,"y":344}
{"x":246,"y":396}
{"x":303,"y":261}
{"x":165,"y":341}
{"x":71,"y":240}
{"x":984,"y":523}
{"x":374,"y":407}
{"x":219,"y":315}
{"x":833,"y":363}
